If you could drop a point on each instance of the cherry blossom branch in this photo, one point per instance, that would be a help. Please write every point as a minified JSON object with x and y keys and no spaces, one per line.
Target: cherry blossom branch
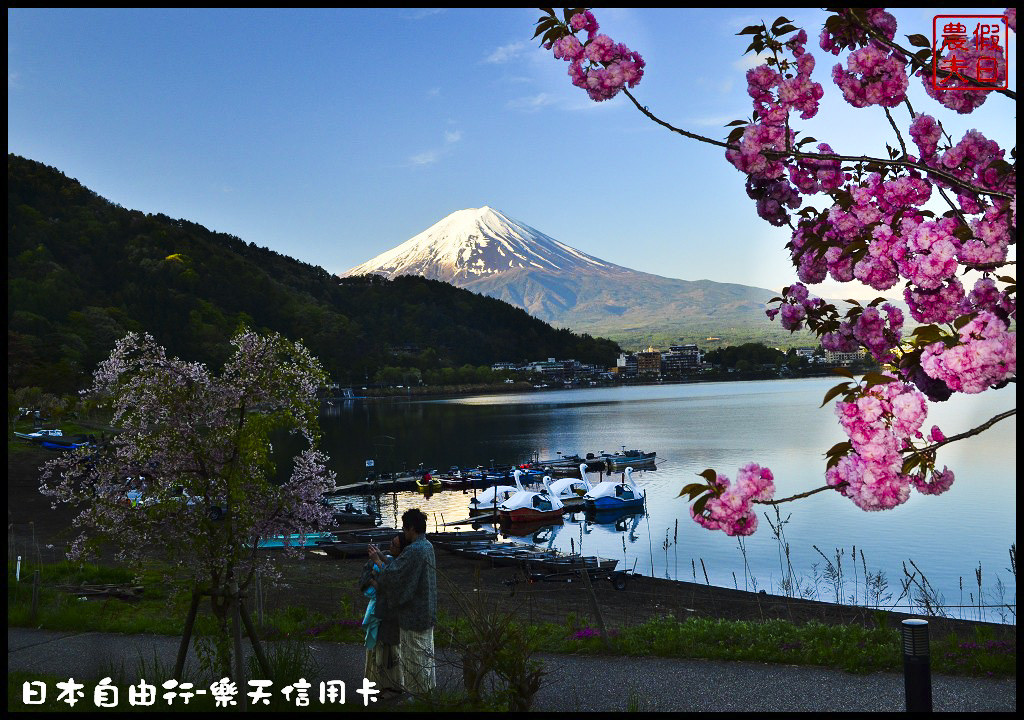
{"x":661,"y":122}
{"x":969,"y":433}
{"x":931,"y":448}
{"x":952,"y":206}
{"x":840,"y":486}
{"x":951,"y":179}
{"x":896,"y":130}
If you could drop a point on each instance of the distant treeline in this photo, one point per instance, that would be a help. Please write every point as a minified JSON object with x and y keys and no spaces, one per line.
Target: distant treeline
{"x":82,"y":272}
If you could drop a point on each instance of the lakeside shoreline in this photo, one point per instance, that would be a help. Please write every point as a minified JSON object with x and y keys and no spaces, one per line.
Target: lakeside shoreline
{"x":442,"y":391}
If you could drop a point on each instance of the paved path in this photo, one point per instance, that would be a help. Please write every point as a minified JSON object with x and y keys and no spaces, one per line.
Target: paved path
{"x":574,"y":683}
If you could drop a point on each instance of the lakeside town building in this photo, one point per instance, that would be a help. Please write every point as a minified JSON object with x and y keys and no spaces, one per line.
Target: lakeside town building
{"x":679,"y":361}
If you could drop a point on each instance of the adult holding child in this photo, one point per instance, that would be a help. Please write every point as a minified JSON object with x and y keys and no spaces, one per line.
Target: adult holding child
{"x":383,"y":658}
{"x":408,"y":587}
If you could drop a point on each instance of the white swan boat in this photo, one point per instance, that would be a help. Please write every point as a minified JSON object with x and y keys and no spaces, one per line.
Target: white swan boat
{"x":570,"y":490}
{"x":489,"y":500}
{"x":612,"y":495}
{"x":531,"y":506}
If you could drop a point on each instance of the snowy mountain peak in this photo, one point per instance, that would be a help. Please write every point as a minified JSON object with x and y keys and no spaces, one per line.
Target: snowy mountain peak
{"x":478,"y":242}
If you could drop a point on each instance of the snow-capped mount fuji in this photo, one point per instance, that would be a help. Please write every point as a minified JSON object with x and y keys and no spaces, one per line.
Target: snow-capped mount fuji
{"x":472,"y":243}
{"x":484,"y":250}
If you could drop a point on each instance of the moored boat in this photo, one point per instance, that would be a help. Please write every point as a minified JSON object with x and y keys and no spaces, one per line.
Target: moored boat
{"x":612,"y":495}
{"x":488,"y":501}
{"x":528,"y":506}
{"x":570,"y":490}
{"x":629,"y":459}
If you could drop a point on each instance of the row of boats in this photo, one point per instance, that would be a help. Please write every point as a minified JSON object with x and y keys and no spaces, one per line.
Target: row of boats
{"x":478,"y":544}
{"x":516,"y":503}
{"x":455,"y":477}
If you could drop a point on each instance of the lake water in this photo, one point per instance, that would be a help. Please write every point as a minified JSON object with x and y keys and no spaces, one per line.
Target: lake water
{"x":717,"y":425}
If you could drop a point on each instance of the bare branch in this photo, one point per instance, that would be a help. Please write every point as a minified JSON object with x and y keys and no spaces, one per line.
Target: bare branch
{"x":892,"y":122}
{"x":840,"y":486}
{"x":970,"y":433}
{"x":948,"y":177}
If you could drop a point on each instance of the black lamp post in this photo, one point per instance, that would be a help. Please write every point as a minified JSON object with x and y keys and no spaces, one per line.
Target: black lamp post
{"x":917,"y":673}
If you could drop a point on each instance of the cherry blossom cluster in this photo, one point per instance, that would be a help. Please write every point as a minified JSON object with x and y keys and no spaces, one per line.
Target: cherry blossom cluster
{"x":878,"y":331}
{"x":987,"y":296}
{"x":844,"y":34}
{"x":881,"y":424}
{"x":873,"y":75}
{"x":812,"y":176}
{"x":609,"y":67}
{"x":730,"y":507}
{"x":926,"y":134}
{"x":774,"y":95}
{"x":772,"y":197}
{"x":986,"y":356}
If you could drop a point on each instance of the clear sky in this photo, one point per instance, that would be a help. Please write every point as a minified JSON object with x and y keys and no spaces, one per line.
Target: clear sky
{"x":334,"y":135}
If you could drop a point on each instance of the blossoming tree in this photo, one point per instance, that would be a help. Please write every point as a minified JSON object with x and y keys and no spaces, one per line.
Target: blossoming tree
{"x":872,"y":226}
{"x":189,"y":476}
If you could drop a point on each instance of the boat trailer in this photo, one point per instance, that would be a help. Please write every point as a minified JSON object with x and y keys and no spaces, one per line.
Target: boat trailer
{"x":618,"y":578}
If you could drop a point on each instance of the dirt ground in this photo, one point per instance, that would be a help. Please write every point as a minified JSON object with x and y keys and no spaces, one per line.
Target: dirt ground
{"x":329,"y":585}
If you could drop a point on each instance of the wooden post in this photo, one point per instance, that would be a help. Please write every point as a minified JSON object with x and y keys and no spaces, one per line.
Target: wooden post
{"x":594,"y":606}
{"x":236,"y":631}
{"x":35,"y":595}
{"x":179,"y":664}
{"x":256,"y":648}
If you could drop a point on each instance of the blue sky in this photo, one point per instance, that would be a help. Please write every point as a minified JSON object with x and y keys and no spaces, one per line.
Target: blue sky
{"x":333,"y":135}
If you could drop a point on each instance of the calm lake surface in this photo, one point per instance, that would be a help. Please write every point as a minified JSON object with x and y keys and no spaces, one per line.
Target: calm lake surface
{"x":692,"y":427}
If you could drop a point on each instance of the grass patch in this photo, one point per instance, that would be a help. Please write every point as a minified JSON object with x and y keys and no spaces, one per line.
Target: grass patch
{"x":854,"y":648}
{"x":159,"y":610}
{"x":849,"y":647}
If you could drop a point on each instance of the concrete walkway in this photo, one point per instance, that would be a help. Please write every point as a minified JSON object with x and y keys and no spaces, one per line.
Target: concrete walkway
{"x":574,"y":683}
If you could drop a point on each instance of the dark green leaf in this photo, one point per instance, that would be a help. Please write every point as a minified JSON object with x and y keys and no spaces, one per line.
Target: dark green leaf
{"x":698,"y":507}
{"x":751,"y":29}
{"x":962,"y":320}
{"x":840,"y":448}
{"x":549,"y":11}
{"x":840,"y":388}
{"x":919,"y":41}
{"x":540,"y":29}
{"x":710,"y":475}
{"x":842,"y":371}
{"x":693,"y":490}
{"x":736,"y":122}
{"x":872,"y":378}
{"x":853,"y":247}
{"x":910,"y":463}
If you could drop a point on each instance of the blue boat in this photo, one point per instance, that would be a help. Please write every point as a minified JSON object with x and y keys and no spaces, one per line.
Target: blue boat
{"x":50,"y":445}
{"x":311,"y":539}
{"x":611,"y":495}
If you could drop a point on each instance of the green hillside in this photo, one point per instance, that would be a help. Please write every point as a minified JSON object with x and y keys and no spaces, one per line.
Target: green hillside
{"x":83,"y":271}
